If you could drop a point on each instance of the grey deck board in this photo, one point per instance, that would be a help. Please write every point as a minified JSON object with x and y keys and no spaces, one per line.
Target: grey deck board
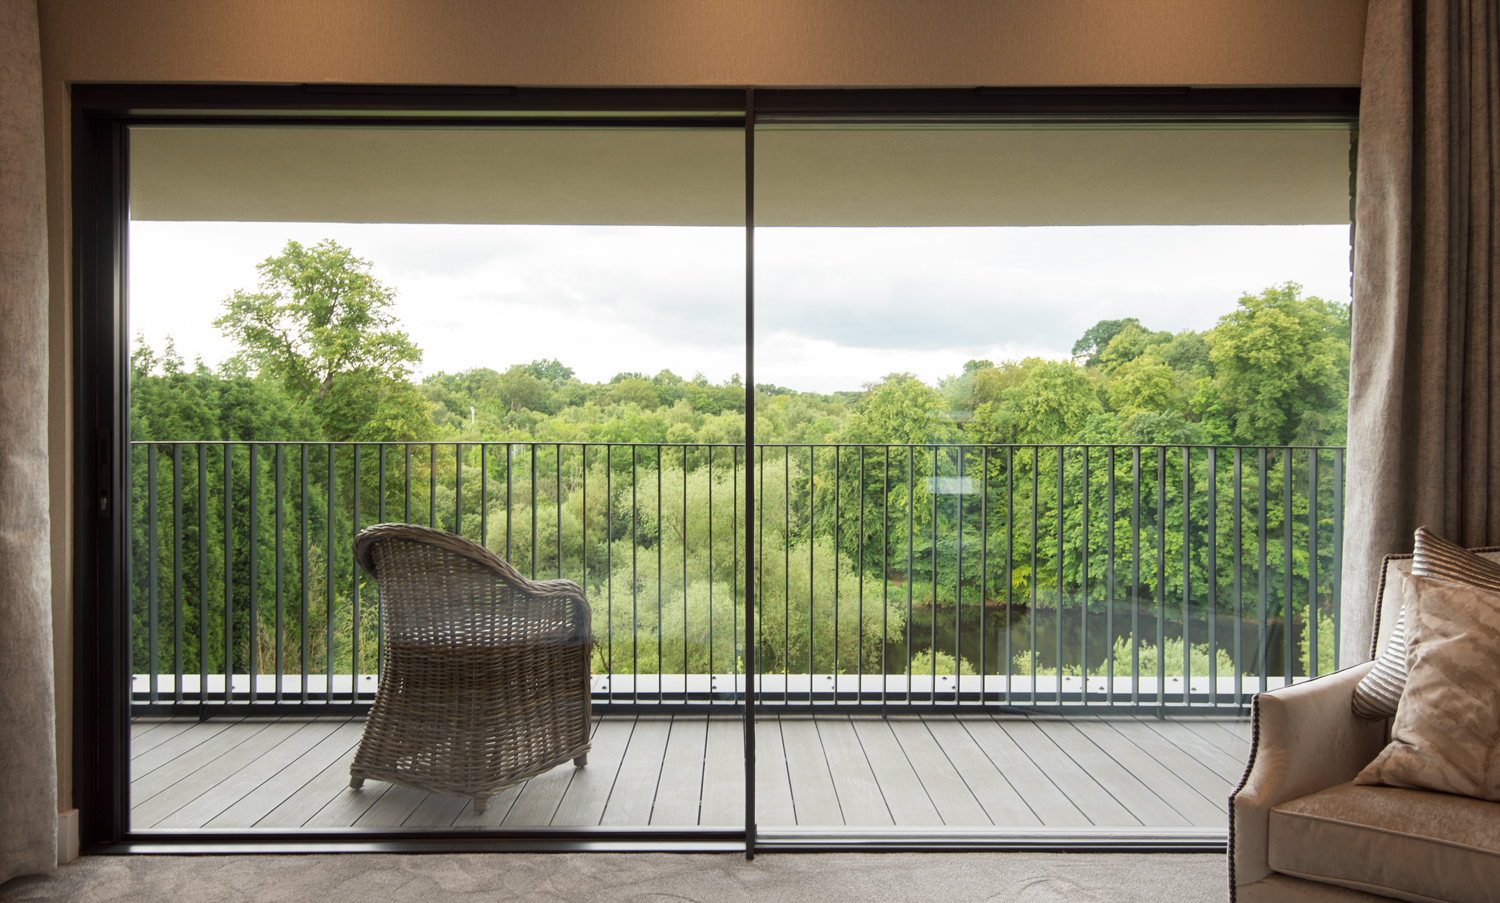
{"x":331,"y":783}
{"x":1197,"y":808}
{"x":860,"y":799}
{"x":995,"y":795}
{"x":243,"y":781}
{"x":723,"y":803}
{"x":814,"y":799}
{"x":680,"y":787}
{"x":634,"y":793}
{"x":588,"y":793}
{"x":393,"y":808}
{"x":906,"y":795}
{"x":951,"y":796}
{"x":175,"y":744}
{"x":1211,"y":783}
{"x":1086,"y":793}
{"x":1229,"y":767}
{"x":345,"y":806}
{"x":774,"y":801}
{"x":158,"y":795}
{"x":438,"y":811}
{"x":963,"y":771}
{"x":260,"y":802}
{"x":1223,"y":739}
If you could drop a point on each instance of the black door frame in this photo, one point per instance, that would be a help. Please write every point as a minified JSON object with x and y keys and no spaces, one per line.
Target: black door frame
{"x":101,"y":116}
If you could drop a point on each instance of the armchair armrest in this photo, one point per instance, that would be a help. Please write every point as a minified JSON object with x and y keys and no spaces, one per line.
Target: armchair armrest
{"x":1305,"y":739}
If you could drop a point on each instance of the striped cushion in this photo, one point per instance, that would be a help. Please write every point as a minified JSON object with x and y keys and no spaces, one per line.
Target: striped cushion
{"x":1379,"y":693}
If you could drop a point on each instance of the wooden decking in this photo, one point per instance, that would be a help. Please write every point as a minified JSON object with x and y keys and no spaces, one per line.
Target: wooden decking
{"x":969,"y":772}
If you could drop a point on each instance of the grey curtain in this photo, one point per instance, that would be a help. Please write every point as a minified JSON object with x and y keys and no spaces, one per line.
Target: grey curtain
{"x":28,"y":765}
{"x":1424,"y":393}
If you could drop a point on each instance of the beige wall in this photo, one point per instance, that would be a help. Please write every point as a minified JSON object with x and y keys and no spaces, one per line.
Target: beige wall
{"x":639,"y":42}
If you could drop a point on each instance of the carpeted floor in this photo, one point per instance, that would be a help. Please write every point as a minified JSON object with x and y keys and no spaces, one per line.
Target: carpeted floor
{"x":634,"y":878}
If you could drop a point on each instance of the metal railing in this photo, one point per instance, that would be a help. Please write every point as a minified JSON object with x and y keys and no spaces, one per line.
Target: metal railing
{"x":886,"y":575}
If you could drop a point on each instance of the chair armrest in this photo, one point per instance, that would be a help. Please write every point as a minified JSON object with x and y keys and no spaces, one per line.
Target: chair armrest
{"x":1305,"y":739}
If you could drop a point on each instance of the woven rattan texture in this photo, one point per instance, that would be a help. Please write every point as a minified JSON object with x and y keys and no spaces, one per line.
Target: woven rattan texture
{"x":485,"y":680}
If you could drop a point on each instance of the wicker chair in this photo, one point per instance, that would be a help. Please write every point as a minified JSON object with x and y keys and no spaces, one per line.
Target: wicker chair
{"x":485,"y":681}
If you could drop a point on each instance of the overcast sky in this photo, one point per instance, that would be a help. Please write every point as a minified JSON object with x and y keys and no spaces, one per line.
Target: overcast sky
{"x":835,"y":308}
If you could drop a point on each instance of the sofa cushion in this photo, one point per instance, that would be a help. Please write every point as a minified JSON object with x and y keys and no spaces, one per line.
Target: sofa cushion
{"x":1408,"y":844}
{"x":1447,"y":731}
{"x":1379,"y":694}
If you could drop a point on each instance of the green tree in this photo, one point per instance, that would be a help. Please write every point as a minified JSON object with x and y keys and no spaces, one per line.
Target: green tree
{"x":1282,"y":370}
{"x":1052,"y":404}
{"x":901,"y":410}
{"x":321,"y":326}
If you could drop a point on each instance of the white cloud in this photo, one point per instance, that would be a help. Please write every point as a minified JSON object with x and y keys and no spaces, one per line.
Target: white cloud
{"x":835,"y":308}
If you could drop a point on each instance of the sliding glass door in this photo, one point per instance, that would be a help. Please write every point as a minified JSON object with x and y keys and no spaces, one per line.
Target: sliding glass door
{"x":1043,"y":481}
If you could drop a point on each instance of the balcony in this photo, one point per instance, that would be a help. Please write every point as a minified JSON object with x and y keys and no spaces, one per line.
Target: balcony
{"x":947,"y":637}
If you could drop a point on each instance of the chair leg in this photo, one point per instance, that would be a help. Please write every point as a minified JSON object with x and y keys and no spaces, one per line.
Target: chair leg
{"x":580,"y":761}
{"x":481,"y":803}
{"x":356,"y":783}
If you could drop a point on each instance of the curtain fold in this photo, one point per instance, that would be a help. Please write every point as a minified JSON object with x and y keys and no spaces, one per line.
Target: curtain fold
{"x":28,"y":765}
{"x":1424,"y":391}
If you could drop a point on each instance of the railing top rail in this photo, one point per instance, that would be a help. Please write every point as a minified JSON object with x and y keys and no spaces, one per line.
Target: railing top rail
{"x":924,"y":445}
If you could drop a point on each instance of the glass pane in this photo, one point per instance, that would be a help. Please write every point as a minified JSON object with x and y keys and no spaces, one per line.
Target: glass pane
{"x":528,"y":338}
{"x":1051,"y":423}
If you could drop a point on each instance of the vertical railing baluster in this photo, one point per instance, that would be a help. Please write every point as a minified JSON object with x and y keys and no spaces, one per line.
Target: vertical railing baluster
{"x":202,"y":574}
{"x":484,"y":492}
{"x":510,"y":461}
{"x":1288,"y":611}
{"x":432,"y":468}
{"x":531,"y":483}
{"x":228,"y":572}
{"x":859,"y":658}
{"x":380,"y":485}
{"x":253,"y":638}
{"x":932,"y":642}
{"x":280,"y":597}
{"x":1083,"y":590}
{"x":958,"y":583}
{"x":609,"y":562}
{"x":1010,"y":551}
{"x":1109,"y":584}
{"x":984,"y":564}
{"x":1135,"y":577}
{"x":177,"y":610}
{"x":557,"y":492}
{"x":151,"y":577}
{"x":406,"y":478}
{"x":1161,"y":579}
{"x":332,"y":540}
{"x":1059,"y":572}
{"x":354,"y":625}
{"x":661,"y":540}
{"x":710,"y":470}
{"x":1312,"y":562}
{"x":1187,"y":573}
{"x":635,"y":582}
{"x":458,"y":488}
{"x":911,"y":542}
{"x":1212,"y":573}
{"x":837,"y":524}
{"x":1262,"y":516}
{"x":885,"y":582}
{"x":1031,"y":578}
{"x":302,"y":625}
{"x":1237,"y":526}
{"x":684,"y":571}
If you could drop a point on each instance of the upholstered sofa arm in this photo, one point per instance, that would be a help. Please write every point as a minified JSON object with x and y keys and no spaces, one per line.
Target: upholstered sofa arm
{"x":1306,"y":739}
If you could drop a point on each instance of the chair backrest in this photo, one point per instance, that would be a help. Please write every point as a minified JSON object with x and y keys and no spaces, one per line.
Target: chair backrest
{"x":437,"y":588}
{"x":1390,"y":594}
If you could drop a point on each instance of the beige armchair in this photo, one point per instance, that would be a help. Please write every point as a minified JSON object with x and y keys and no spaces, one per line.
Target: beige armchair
{"x":1300,"y":830}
